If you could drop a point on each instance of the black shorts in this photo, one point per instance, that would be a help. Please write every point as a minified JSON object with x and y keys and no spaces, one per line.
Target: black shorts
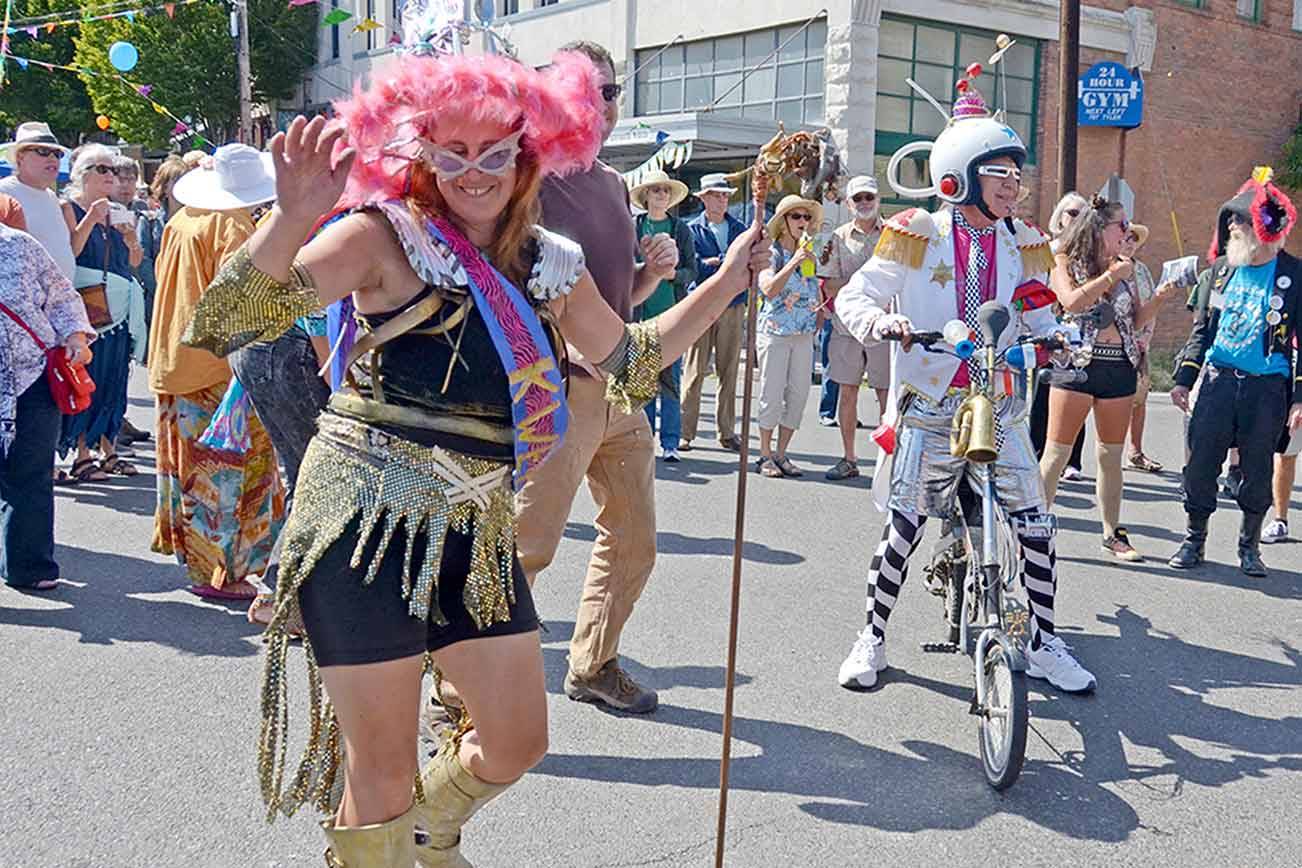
{"x":1108,"y":375}
{"x":351,"y":623}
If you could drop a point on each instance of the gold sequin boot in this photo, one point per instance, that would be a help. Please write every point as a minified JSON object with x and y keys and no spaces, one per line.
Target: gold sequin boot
{"x":391,"y":844}
{"x":452,"y":796}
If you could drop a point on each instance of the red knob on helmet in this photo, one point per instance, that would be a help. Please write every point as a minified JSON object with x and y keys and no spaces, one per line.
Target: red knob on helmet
{"x":949,"y":186}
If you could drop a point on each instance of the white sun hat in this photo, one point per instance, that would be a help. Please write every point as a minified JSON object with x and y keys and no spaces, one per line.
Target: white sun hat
{"x":238,"y":176}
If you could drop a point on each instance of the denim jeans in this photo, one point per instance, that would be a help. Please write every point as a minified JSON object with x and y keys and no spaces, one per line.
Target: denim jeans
{"x":671,"y":416}
{"x":27,"y":491}
{"x":831,"y":391}
{"x":281,"y":381}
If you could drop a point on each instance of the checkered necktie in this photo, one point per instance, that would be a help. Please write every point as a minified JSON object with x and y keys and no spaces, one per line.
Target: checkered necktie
{"x":976,"y":267}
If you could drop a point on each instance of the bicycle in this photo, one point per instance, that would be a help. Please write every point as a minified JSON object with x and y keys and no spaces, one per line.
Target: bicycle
{"x":974,"y":571}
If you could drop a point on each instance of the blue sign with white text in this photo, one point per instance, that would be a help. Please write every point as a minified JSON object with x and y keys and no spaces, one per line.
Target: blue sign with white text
{"x":1109,"y":95}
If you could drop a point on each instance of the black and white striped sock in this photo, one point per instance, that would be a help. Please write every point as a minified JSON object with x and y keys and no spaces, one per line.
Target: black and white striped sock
{"x":1039,"y":563}
{"x":890,"y":566}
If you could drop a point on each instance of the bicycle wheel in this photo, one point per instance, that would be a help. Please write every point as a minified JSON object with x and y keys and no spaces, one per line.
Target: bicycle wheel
{"x":1002,"y":723}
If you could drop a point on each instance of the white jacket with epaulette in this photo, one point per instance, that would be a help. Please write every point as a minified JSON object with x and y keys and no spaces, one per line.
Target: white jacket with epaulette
{"x":913,"y":269}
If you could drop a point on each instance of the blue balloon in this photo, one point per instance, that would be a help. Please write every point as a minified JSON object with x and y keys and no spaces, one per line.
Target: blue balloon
{"x":123,"y":56}
{"x":1016,"y":357}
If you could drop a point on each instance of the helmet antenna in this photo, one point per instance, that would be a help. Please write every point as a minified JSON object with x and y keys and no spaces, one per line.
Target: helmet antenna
{"x":1002,"y":43}
{"x":928,"y":97}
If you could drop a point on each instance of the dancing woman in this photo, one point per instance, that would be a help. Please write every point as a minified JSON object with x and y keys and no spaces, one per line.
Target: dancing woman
{"x":401,"y":539}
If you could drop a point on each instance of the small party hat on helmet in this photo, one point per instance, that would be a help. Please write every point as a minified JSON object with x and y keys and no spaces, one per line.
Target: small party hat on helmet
{"x":1262,"y":204}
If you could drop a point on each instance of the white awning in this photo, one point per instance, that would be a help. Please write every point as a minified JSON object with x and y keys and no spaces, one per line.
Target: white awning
{"x":713,"y":137}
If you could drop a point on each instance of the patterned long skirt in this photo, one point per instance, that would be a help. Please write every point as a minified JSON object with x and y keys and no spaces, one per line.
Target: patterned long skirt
{"x":218,"y":512}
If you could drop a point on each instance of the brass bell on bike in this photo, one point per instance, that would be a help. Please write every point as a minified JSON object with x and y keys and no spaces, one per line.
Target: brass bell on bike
{"x":973,"y":434}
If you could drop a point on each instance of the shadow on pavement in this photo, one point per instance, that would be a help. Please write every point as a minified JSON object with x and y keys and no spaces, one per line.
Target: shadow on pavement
{"x":671,"y":543}
{"x":556,"y":663}
{"x":1161,"y":690}
{"x":1156,"y":693}
{"x":103,"y":613}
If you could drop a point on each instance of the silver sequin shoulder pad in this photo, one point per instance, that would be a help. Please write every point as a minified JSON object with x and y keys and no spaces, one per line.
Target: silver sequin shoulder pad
{"x":557,"y":266}
{"x":432,"y":260}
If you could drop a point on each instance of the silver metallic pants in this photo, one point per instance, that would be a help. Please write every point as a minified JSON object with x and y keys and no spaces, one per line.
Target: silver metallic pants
{"x":924,"y":476}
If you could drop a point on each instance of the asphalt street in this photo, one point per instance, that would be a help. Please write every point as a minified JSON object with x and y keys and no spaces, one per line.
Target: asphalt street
{"x":130,"y":707}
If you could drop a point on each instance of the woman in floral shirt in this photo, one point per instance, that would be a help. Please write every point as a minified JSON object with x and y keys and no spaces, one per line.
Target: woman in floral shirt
{"x":784,"y":335}
{"x":33,"y":289}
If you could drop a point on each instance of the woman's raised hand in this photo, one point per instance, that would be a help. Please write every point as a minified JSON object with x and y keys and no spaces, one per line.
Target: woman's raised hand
{"x":309,"y":179}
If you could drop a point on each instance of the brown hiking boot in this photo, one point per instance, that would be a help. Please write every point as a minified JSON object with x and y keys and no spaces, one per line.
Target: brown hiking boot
{"x":611,"y":686}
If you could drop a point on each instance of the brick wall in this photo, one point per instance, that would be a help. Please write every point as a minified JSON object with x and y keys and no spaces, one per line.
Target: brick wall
{"x":1206,"y":124}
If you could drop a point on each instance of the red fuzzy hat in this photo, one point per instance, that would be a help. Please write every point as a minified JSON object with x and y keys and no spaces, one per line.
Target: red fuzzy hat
{"x":1263,"y":204}
{"x":559,"y":108}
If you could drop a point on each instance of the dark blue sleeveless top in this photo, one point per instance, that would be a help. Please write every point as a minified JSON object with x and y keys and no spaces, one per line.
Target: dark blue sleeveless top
{"x":92,"y":255}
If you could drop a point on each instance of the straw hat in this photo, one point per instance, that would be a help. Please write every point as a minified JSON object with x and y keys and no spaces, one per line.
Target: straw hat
{"x":240,"y":177}
{"x":678,"y":190}
{"x":1140,"y":232}
{"x":777,"y":223}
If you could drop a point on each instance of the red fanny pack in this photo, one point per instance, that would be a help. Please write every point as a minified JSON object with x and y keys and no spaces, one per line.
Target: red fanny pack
{"x":70,"y":385}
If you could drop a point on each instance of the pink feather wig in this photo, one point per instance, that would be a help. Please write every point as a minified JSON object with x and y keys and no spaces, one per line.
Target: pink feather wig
{"x":560,"y":109}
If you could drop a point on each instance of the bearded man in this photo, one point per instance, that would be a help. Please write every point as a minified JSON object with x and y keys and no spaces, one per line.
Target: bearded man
{"x":1247,"y":310}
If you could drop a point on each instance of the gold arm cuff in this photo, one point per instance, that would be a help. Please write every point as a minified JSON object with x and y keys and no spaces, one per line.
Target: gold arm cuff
{"x":244,"y":304}
{"x":633,"y":369}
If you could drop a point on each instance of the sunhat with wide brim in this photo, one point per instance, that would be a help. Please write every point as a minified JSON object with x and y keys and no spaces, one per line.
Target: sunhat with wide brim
{"x":777,"y":222}
{"x":32,"y":134}
{"x":239,"y":177}
{"x":1140,"y":231}
{"x":678,"y":190}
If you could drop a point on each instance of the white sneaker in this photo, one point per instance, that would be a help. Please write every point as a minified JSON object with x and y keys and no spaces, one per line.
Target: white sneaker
{"x":1053,"y":663}
{"x":1276,"y":531}
{"x":866,"y":659}
{"x":670,"y":455}
{"x":1071,"y":474}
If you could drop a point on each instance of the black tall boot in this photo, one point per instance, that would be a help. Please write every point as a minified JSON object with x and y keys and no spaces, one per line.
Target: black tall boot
{"x":1249,"y":541}
{"x":1190,"y":553}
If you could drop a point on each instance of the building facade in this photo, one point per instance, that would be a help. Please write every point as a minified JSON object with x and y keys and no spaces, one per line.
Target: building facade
{"x":719,"y":74}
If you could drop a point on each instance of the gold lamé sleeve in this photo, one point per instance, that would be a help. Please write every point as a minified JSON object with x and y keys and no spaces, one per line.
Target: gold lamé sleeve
{"x":244,"y":304}
{"x":633,"y":367}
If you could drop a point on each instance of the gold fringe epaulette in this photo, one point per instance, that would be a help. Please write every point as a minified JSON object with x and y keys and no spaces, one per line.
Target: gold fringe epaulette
{"x":905,"y":238}
{"x":1037,"y":255}
{"x":1037,"y":259}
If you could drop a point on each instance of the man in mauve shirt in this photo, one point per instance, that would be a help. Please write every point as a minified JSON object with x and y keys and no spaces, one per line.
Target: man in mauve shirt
{"x":614,"y":451}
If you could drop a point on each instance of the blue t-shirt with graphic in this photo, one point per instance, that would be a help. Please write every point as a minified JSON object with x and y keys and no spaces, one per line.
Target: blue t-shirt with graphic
{"x":1241,"y":333}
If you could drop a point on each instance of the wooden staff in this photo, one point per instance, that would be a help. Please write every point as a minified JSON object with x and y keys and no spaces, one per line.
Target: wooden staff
{"x":760,"y":185}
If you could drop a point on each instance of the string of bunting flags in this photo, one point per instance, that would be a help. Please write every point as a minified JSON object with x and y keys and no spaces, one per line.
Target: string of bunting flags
{"x":33,"y":27}
{"x":141,"y":90}
{"x":672,"y":155}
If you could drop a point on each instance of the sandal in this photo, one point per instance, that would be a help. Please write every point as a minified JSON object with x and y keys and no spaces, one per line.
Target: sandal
{"x":1140,"y":461}
{"x":787,"y":468}
{"x":86,"y":470}
{"x":766,"y":467}
{"x":264,"y":607}
{"x":117,"y":467}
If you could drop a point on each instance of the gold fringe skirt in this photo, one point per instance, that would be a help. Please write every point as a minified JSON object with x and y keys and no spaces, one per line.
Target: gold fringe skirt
{"x":354,"y":471}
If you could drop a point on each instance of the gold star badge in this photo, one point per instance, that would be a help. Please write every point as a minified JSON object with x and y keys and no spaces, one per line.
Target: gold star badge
{"x":942,"y":274}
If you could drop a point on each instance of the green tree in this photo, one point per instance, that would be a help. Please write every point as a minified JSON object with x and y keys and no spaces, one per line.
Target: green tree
{"x":55,"y":96}
{"x":1290,"y":170}
{"x":188,"y":61}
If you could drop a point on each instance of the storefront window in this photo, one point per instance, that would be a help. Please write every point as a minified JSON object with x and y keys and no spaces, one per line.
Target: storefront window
{"x":695,"y":75}
{"x":935,"y":55}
